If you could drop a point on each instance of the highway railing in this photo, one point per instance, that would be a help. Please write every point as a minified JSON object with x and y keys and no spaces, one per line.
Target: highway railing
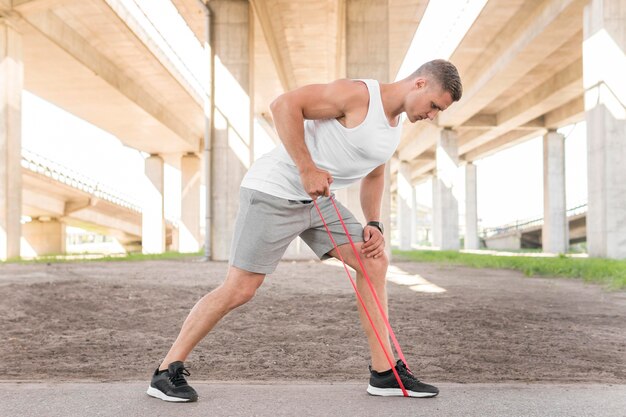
{"x":44,"y":166}
{"x":521,"y":225}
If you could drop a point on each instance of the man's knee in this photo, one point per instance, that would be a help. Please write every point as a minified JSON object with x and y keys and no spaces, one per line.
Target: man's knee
{"x":376,"y":268}
{"x":241,"y":296}
{"x":241,"y":289}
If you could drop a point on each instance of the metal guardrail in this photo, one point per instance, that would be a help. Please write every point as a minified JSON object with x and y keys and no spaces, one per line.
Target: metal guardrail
{"x":528,"y":223}
{"x":41,"y":165}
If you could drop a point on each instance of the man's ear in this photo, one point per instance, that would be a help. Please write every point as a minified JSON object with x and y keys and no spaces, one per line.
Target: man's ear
{"x":419,"y":83}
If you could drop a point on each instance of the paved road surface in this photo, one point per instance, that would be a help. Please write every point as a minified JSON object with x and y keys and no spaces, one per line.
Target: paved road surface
{"x":301,"y":399}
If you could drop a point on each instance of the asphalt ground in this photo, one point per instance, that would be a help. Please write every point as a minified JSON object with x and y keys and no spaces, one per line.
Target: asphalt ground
{"x":84,"y":399}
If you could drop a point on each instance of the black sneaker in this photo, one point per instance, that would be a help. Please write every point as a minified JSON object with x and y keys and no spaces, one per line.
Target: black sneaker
{"x":170,"y":384}
{"x":386,"y":385}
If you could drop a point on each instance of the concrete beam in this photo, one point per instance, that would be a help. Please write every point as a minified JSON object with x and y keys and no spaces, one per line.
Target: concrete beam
{"x":55,"y":29}
{"x":43,"y":203}
{"x":105,"y":222}
{"x":478,"y":121}
{"x":556,"y":91}
{"x":537,"y":123}
{"x":501,"y":143}
{"x":76,"y":205}
{"x":571,"y":112}
{"x":269,"y":16}
{"x":35,"y":6}
{"x":192,"y":12}
{"x":147,"y":41}
{"x":537,"y":32}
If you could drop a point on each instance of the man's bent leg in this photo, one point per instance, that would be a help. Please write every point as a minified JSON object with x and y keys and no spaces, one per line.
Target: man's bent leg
{"x":382,"y":381}
{"x":238,"y":288}
{"x":377,"y":272}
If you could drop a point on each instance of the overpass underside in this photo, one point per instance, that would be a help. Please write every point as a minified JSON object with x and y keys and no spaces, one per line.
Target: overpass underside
{"x":528,"y":68}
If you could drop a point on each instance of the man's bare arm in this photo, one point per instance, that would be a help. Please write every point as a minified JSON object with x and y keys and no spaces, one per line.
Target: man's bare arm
{"x":372,"y":188}
{"x":317,"y":101}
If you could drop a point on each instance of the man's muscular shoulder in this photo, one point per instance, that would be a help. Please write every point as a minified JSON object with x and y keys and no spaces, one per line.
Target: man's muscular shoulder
{"x":356,"y":101}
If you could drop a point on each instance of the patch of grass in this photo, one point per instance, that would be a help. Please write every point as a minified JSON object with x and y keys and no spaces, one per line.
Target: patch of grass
{"x":106,"y":258}
{"x":608,"y":272}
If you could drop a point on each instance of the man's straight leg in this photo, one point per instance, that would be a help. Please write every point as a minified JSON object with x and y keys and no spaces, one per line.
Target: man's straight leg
{"x":238,"y":288}
{"x":264,"y":228}
{"x":168,"y":381}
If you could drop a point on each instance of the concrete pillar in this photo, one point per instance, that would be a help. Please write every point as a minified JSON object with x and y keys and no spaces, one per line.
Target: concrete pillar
{"x":367,"y":56}
{"x":11,"y":82}
{"x":413,"y":215}
{"x":471,"y":208}
{"x":554,"y":234}
{"x":405,"y":206}
{"x":367,"y":39}
{"x":445,"y":204}
{"x":189,"y":232}
{"x":42,"y":238}
{"x":231,"y":150}
{"x":152,"y":218}
{"x":604,"y":66}
{"x":435,"y":237}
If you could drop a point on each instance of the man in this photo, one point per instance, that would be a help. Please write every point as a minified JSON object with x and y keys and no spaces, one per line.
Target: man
{"x":333,"y":135}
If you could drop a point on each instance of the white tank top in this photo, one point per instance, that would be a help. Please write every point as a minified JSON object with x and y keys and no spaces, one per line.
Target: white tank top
{"x":349,"y":154}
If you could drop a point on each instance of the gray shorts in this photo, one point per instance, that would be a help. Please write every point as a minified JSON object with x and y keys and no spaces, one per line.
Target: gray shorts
{"x":266,"y":225}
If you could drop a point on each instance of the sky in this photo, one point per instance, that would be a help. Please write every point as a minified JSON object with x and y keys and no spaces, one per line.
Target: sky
{"x":510,"y":183}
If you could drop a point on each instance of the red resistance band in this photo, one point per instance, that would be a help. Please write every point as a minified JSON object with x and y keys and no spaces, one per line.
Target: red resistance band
{"x":373,"y":292}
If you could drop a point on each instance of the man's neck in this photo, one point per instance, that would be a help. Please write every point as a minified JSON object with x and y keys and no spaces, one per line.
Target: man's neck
{"x":392,"y":96}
